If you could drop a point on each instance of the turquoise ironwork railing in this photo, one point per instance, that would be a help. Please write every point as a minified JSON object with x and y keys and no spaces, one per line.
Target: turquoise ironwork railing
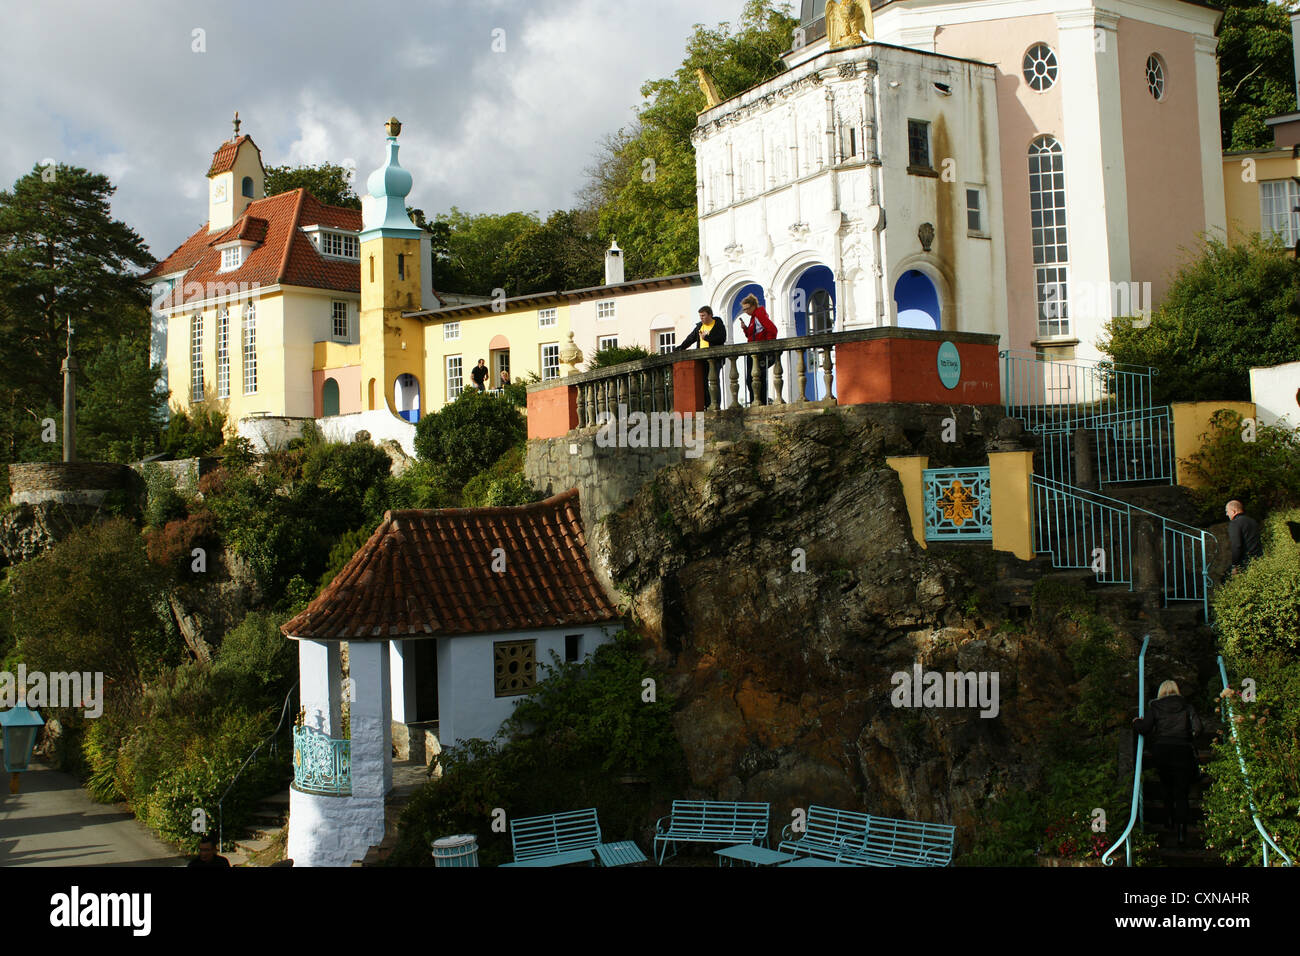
{"x":1135,"y":809}
{"x":1135,"y":446}
{"x":957,"y":504}
{"x":1090,"y":531}
{"x":321,"y":764}
{"x":1250,"y":792}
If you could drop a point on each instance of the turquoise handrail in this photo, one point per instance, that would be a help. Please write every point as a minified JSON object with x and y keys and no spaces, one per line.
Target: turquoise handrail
{"x":1137,"y":768}
{"x":1250,"y":793}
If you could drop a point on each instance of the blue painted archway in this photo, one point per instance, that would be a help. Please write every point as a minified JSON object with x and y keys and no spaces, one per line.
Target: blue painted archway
{"x":917,"y":301}
{"x":812,"y":306}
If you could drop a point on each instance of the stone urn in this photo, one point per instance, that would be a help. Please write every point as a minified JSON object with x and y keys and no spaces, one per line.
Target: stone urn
{"x":571,"y":355}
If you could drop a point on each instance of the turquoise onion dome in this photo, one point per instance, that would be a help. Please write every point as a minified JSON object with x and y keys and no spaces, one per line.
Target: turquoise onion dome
{"x":388,"y":186}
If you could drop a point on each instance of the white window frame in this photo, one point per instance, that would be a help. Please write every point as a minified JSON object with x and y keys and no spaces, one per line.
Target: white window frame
{"x":339,"y":245}
{"x":196,"y":357}
{"x":456,"y":380}
{"x":607,"y":310}
{"x":223,"y":352}
{"x":547,"y":318}
{"x":667,"y":341}
{"x":981,"y":231}
{"x":1277,"y":201}
{"x":232,"y":258}
{"x":550,"y":370}
{"x":1049,"y":237}
{"x":339,"y":308}
{"x":606,"y":342}
{"x":451,"y":332}
{"x":249,"y":350}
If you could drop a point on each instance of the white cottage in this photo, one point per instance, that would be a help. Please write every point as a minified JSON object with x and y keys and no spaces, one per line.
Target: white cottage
{"x":447,"y":615}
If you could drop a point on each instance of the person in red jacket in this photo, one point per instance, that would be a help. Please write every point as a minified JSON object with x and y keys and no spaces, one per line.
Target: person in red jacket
{"x":759,"y":328}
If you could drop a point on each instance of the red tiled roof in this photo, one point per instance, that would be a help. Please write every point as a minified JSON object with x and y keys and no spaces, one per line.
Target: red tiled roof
{"x":224,"y":158}
{"x":430,"y":573}
{"x":284,"y":254}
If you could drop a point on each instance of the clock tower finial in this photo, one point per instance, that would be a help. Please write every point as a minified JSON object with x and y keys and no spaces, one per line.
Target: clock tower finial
{"x":236,"y":124}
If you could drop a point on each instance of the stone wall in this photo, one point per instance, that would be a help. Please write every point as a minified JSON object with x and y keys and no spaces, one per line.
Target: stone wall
{"x":184,"y":473}
{"x":68,"y":483}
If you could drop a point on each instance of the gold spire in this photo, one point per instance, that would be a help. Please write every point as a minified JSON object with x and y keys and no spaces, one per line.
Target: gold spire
{"x":394,"y":127}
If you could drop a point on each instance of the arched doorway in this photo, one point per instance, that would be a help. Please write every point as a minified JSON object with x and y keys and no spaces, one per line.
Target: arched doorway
{"x":812,"y":307}
{"x":736,"y":334}
{"x":406,"y":397}
{"x":917,"y":301}
{"x":329,"y":398}
{"x":370,"y":395}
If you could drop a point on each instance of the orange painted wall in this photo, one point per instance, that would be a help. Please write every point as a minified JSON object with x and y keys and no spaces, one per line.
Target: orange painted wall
{"x":905,"y":370}
{"x":552,"y":412}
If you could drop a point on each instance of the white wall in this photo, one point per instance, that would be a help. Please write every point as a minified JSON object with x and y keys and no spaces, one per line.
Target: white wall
{"x":1274,"y":392}
{"x":467,"y":703}
{"x":381,"y":423}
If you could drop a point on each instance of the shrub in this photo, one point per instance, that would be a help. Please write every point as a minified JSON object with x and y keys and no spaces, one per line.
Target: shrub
{"x":186,"y":437}
{"x":1263,"y":475}
{"x":469,"y":434}
{"x":616,"y":355}
{"x":1257,"y":611}
{"x":172,"y":547}
{"x":424,"y":484}
{"x":258,"y":651}
{"x":508,"y":468}
{"x":164,"y":502}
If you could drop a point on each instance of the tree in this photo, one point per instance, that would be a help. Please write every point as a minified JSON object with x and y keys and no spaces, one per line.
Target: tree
{"x":644,"y":179}
{"x":1256,"y":70}
{"x":562,"y":253}
{"x":62,"y":257}
{"x":470,"y":434}
{"x":474,"y":259}
{"x":329,"y":183}
{"x":1230,"y":309}
{"x":122,"y":406}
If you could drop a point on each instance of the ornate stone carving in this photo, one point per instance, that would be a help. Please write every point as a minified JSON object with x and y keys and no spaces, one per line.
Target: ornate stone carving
{"x":571,"y":355}
{"x":848,"y":70}
{"x":926,"y":234}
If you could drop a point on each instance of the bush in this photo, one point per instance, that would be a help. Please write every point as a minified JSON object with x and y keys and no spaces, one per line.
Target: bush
{"x":172,"y":547}
{"x":507,"y":472}
{"x":259,"y":655}
{"x":1263,"y":474}
{"x":616,"y":355}
{"x":164,"y":502}
{"x":424,"y":484}
{"x":1257,"y":611}
{"x":186,"y":437}
{"x":469,"y":435}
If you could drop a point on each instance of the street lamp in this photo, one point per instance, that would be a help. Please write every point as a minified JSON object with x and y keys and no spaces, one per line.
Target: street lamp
{"x":20,"y":726}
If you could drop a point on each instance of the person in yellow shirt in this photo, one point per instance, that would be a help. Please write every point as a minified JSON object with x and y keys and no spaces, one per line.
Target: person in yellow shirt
{"x":708,"y":332}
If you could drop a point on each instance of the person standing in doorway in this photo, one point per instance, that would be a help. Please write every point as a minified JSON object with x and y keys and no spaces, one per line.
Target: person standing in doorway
{"x":760,"y":328}
{"x":1243,"y":535}
{"x":479,"y":375}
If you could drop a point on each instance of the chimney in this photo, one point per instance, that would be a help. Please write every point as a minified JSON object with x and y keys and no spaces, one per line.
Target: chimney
{"x":613,"y":265}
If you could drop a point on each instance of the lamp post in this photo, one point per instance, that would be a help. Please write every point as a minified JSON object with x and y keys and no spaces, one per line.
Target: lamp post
{"x":20,"y":726}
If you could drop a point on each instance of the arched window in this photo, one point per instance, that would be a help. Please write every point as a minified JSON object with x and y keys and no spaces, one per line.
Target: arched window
{"x":223,"y":353}
{"x":247,"y":187}
{"x":196,"y":357}
{"x":250,"y":350}
{"x":329,"y":398}
{"x":1047,"y":222}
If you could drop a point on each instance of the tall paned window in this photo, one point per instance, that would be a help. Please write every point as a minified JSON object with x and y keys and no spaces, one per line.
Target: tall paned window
{"x":1277,"y":200}
{"x":250,"y":350}
{"x":223,"y":353}
{"x":1047,"y":221}
{"x":196,"y":357}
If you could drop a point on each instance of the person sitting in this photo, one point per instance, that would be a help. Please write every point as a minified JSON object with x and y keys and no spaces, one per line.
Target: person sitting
{"x":708,"y":332}
{"x":760,"y":328}
{"x":1172,"y":726}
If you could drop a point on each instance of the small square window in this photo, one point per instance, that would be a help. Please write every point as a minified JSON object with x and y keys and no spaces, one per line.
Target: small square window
{"x":572,"y":648}
{"x":606,"y":309}
{"x":667,"y":342}
{"x":918,"y":144}
{"x":451,"y":331}
{"x":546,"y":318}
{"x":606,"y":342}
{"x":514,"y":667}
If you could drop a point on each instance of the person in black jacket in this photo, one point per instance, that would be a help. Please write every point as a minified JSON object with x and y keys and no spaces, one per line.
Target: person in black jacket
{"x":714,"y":332}
{"x":1243,"y":535}
{"x":1170,"y":727}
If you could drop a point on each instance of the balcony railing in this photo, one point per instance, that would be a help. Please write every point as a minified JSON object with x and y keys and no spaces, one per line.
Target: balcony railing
{"x":321,"y":764}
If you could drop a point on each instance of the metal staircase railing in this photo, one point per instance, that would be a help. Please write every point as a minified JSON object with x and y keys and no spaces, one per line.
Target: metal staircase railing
{"x":1250,"y":793}
{"x":1135,"y":809}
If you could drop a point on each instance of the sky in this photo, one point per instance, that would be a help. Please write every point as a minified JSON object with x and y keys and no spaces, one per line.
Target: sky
{"x":144,"y":91}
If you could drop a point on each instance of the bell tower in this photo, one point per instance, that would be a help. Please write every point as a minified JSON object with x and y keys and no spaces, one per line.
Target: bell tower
{"x":235,"y":179}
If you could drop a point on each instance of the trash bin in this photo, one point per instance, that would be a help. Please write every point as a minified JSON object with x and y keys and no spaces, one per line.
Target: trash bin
{"x":460,"y":850}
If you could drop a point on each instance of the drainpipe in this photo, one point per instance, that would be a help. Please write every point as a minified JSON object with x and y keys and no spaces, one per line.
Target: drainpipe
{"x":871,"y":143}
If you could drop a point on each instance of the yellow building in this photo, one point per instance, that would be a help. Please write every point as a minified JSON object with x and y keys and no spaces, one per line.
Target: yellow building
{"x":1261,"y":194}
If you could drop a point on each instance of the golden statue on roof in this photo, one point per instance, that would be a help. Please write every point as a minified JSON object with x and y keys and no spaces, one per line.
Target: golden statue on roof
{"x":709,"y":87}
{"x":849,"y":23}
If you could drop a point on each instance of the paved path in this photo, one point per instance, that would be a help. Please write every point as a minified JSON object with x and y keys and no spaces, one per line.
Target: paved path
{"x":53,"y":822}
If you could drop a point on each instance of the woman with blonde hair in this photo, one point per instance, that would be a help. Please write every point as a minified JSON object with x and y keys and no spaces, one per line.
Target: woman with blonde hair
{"x":1171,"y":726}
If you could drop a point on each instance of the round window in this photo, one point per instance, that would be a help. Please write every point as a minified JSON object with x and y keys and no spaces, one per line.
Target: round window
{"x":1040,"y":67}
{"x":1156,"y":76}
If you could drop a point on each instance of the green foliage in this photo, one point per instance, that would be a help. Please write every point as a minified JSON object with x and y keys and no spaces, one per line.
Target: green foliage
{"x":1264,"y":474}
{"x":509,"y":491}
{"x":502,"y":484}
{"x":616,"y":355}
{"x":516,"y":252}
{"x":577,"y":734}
{"x":1255,"y":70}
{"x":121,"y":405}
{"x":164,"y":502}
{"x":644,"y":182}
{"x":1230,"y":309}
{"x":1257,"y":611}
{"x":258,"y":655}
{"x":91,"y":604}
{"x":194,"y":436}
{"x":1268,"y":732}
{"x":329,"y":183}
{"x":424,"y":484}
{"x":469,"y":434}
{"x":342,"y":553}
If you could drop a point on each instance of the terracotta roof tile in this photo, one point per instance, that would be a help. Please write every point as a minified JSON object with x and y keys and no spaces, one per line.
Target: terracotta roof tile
{"x":224,"y":158}
{"x":430,"y":573}
{"x":284,"y":253}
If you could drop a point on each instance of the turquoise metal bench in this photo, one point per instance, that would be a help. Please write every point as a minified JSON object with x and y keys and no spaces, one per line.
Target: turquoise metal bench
{"x":555,"y":840}
{"x":827,"y":833}
{"x":622,"y":853}
{"x":890,"y":842}
{"x":711,"y":821}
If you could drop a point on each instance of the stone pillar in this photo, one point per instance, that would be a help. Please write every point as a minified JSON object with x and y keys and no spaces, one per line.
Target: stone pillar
{"x":1011,"y":501}
{"x":401,"y":659}
{"x":1148,"y":551}
{"x":319,"y":674}
{"x":1085,"y":458}
{"x":690,"y":383}
{"x":371,"y":720}
{"x":909,"y":470}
